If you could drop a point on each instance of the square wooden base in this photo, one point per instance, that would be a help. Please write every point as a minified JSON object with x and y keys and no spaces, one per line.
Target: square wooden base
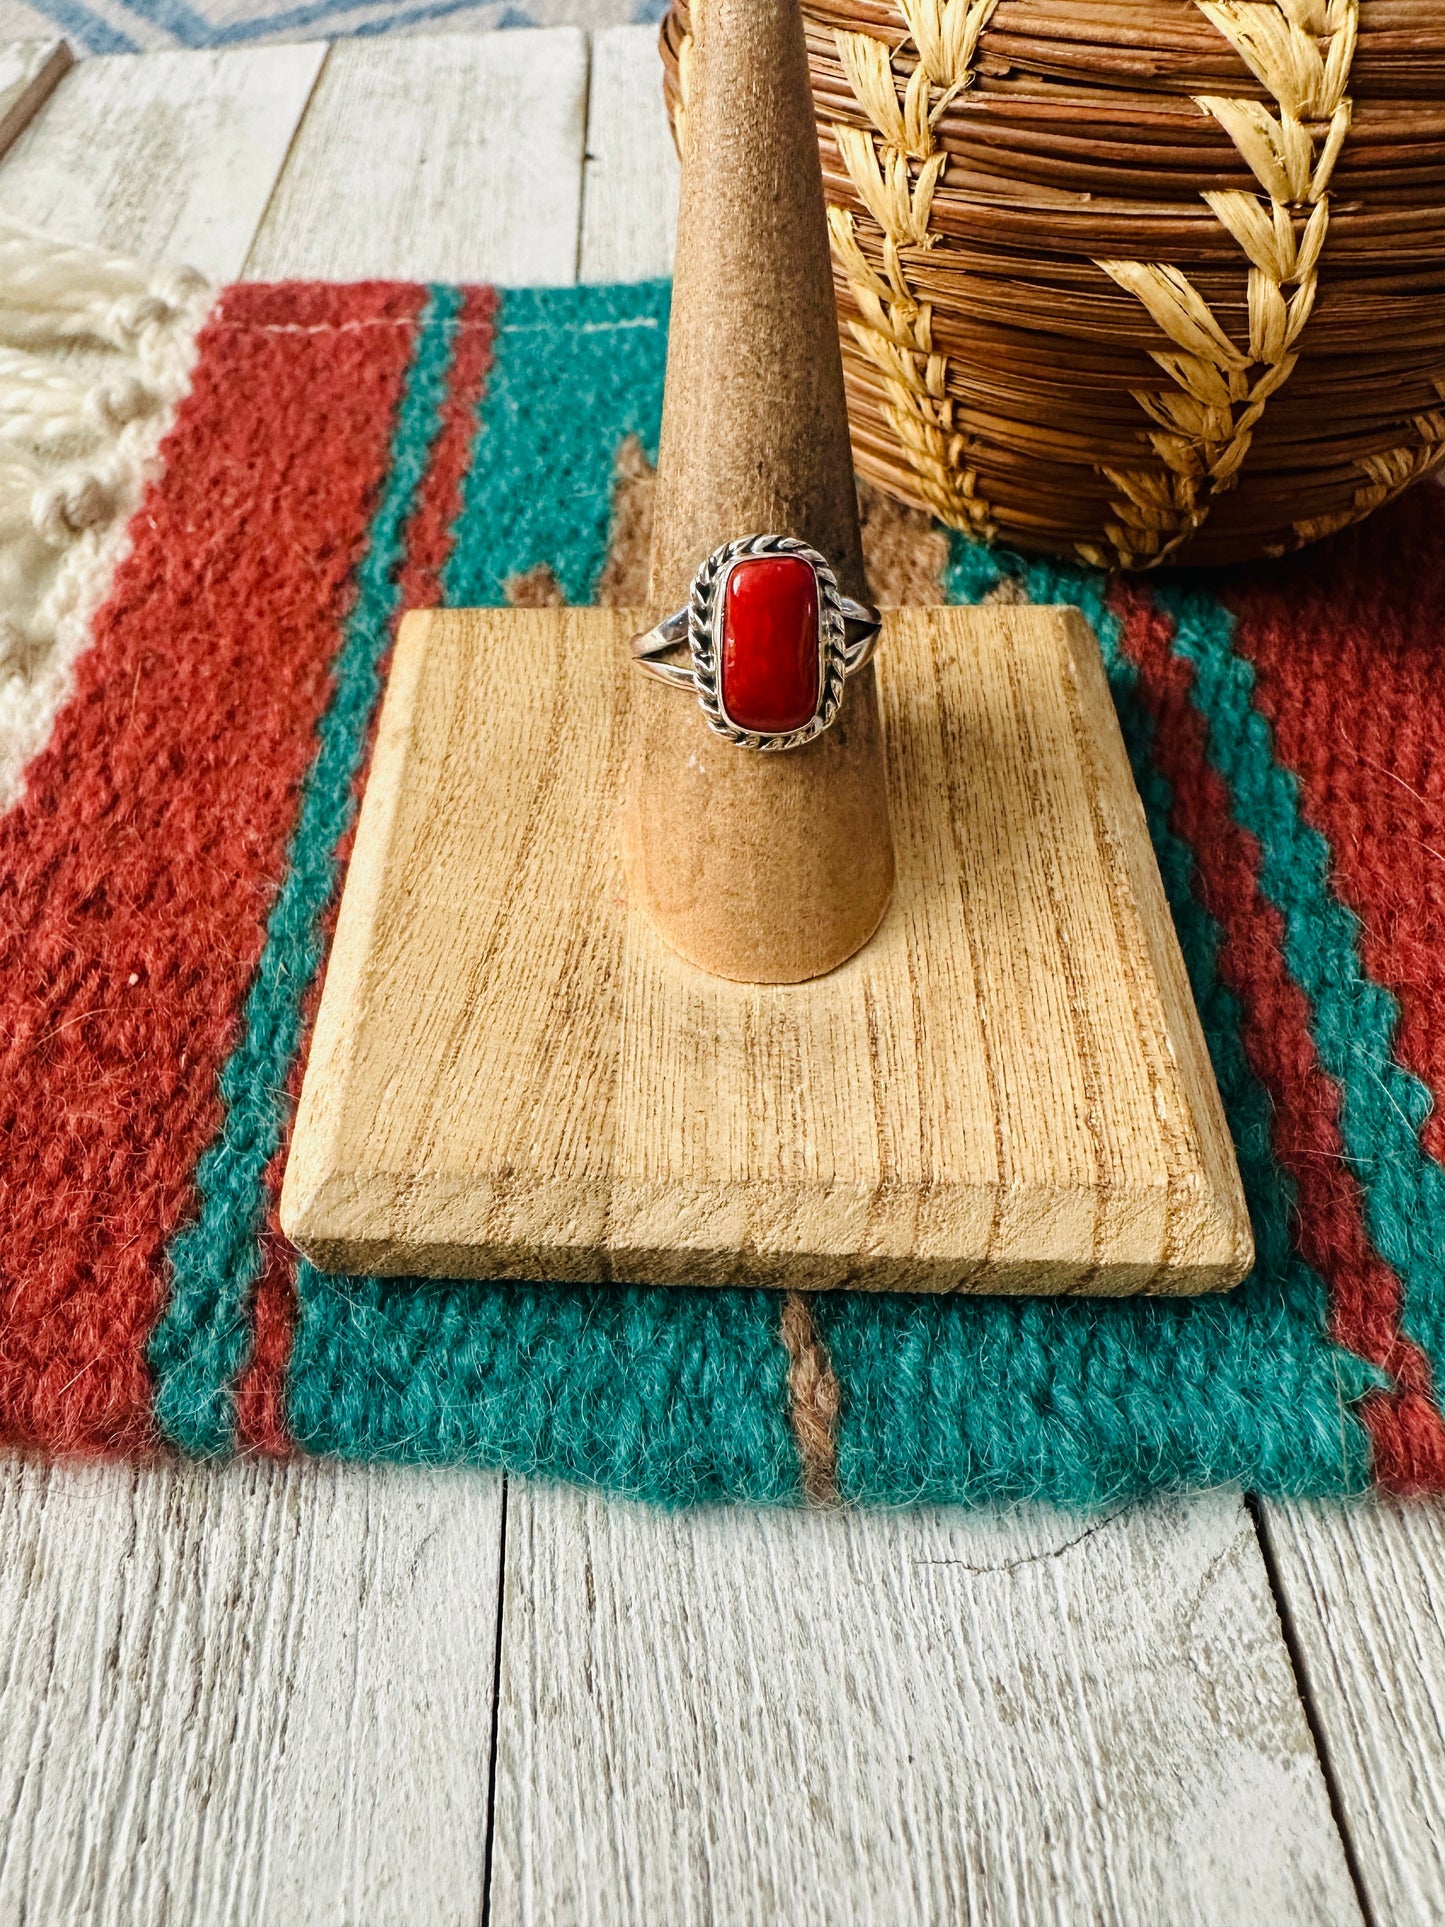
{"x":1006,"y":1090}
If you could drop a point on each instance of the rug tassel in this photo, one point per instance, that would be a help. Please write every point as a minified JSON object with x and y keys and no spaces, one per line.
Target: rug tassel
{"x":95,"y":351}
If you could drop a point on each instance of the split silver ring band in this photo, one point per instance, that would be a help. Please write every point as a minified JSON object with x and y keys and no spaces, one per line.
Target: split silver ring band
{"x":771,"y":639}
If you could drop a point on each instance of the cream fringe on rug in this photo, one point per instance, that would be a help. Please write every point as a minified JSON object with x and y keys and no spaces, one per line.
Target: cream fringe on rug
{"x":95,"y":352}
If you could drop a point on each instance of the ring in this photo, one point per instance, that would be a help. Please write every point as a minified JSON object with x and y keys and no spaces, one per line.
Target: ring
{"x":772,"y":639}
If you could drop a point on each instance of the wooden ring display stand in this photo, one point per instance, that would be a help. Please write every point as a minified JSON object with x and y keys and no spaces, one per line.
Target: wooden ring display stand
{"x":768,"y":869}
{"x":530,"y":1063}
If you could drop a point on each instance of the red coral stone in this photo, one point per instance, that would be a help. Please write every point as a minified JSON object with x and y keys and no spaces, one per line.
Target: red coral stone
{"x":769,"y":652}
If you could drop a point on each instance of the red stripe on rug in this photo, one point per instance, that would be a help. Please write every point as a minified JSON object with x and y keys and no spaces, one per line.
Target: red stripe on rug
{"x":260,"y":1396}
{"x":1345,"y":644}
{"x":1406,"y":1430}
{"x":137,"y":872}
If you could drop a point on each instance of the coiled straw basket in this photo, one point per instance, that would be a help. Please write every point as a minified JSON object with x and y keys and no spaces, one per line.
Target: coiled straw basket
{"x":1137,"y":281}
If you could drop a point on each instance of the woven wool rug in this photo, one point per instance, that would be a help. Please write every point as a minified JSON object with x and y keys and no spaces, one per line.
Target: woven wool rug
{"x":193,"y":662}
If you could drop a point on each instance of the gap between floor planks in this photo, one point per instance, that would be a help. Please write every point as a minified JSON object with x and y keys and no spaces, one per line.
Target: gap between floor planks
{"x":239,"y":97}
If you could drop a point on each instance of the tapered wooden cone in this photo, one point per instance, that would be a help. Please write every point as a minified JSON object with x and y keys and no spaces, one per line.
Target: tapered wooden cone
{"x":767,"y":868}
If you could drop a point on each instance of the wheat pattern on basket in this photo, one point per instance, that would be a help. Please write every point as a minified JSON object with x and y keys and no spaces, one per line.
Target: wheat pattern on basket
{"x":1082,"y":254}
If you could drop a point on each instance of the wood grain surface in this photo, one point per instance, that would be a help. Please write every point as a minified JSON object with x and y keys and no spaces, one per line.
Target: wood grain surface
{"x":1364,"y":1594}
{"x":261,"y":1693}
{"x":513,"y":1077}
{"x":171,"y":157}
{"x":826,"y":1718}
{"x":450,"y":159}
{"x":121,"y":1587}
{"x":629,"y":182}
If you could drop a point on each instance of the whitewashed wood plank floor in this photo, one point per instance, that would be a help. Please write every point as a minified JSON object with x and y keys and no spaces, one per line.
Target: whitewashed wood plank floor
{"x":1363,"y":1592}
{"x":904,"y":1718}
{"x":170,"y":157}
{"x":257,"y":1695}
{"x":629,"y":205}
{"x":264,"y":1693}
{"x":449,"y":159}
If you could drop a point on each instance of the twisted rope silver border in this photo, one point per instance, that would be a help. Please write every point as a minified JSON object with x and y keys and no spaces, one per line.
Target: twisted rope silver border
{"x":702,"y":610}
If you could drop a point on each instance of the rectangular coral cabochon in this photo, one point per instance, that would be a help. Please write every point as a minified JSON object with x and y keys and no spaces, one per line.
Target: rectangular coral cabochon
{"x":1006,"y":1090}
{"x":771,"y":652}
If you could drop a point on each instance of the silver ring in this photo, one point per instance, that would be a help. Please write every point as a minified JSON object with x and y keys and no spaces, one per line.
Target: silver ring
{"x":769,"y":694}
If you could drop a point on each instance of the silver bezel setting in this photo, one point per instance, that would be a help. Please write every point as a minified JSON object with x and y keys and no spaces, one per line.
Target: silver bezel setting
{"x":708,"y":587}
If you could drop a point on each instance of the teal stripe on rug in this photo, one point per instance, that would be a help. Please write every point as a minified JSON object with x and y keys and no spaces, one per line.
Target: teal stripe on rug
{"x":1354,"y":1020}
{"x":574,"y":372}
{"x":679,"y":1397}
{"x":1084,"y":1402}
{"x":201,"y":1341}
